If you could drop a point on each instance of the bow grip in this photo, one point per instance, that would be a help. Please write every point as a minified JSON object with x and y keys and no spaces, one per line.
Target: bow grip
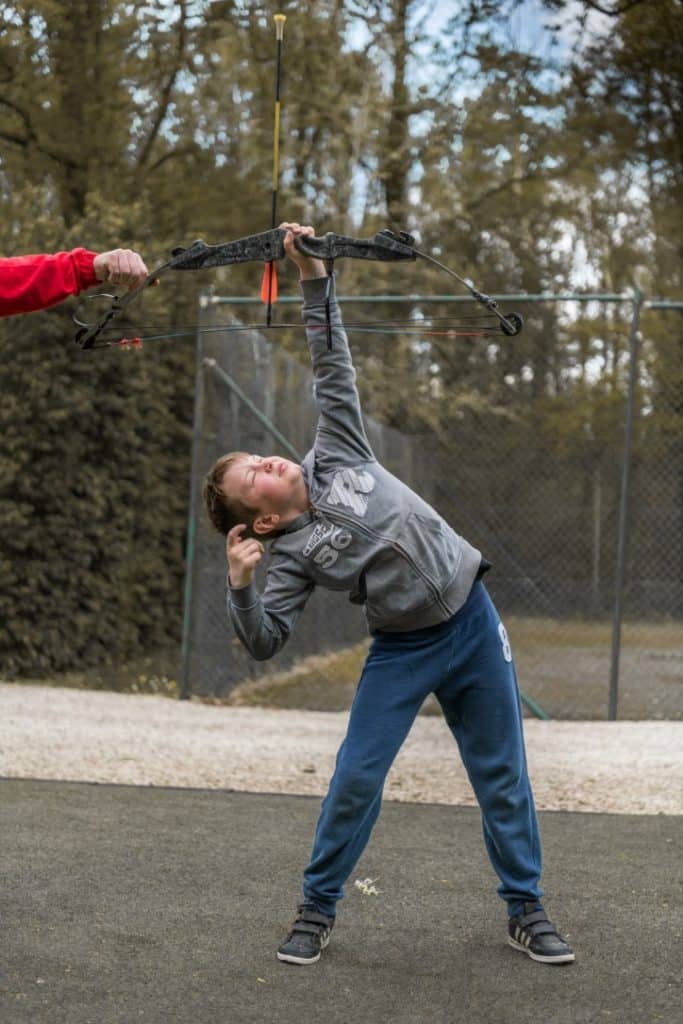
{"x":385,"y":246}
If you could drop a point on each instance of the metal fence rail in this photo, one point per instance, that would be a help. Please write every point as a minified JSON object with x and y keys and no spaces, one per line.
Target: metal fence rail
{"x":586,"y":538}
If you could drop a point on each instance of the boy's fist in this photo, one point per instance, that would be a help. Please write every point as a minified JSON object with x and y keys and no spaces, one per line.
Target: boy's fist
{"x":309,"y":267}
{"x":243,"y":556}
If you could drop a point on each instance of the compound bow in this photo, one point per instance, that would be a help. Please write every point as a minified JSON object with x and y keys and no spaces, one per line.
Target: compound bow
{"x":268,"y":246}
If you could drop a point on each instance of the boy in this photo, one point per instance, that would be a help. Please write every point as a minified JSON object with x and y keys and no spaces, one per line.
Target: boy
{"x":342,"y":521}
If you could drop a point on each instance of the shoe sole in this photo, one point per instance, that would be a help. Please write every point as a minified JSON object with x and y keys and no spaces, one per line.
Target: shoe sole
{"x":562,"y":958}
{"x":289,"y":958}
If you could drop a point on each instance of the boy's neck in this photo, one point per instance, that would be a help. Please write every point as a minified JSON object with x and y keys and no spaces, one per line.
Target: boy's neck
{"x":300,"y":505}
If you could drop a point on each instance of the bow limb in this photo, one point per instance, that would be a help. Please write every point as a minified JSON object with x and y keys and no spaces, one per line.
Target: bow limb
{"x":88,"y":333}
{"x":266,"y":246}
{"x":385,"y":247}
{"x":389,"y":246}
{"x":510,"y":323}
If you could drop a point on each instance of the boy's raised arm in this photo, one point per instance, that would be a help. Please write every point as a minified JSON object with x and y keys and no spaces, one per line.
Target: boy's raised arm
{"x":340,"y":432}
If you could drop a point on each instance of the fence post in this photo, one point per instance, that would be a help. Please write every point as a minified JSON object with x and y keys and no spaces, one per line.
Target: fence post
{"x":191,"y":540}
{"x":622,"y":536}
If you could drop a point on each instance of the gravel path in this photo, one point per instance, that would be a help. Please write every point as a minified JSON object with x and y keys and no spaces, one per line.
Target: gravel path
{"x":87,"y":736}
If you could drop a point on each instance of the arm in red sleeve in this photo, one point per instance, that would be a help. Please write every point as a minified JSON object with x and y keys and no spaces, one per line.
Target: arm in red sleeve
{"x":28,"y":283}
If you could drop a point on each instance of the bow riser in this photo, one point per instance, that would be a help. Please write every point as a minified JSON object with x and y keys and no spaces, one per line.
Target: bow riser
{"x":269,"y":246}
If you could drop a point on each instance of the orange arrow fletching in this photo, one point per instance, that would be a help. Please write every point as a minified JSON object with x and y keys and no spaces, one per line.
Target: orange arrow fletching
{"x":269,"y":284}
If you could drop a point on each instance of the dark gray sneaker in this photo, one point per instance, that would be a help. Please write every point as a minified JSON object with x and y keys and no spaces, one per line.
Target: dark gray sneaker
{"x":309,"y":935}
{"x":532,"y":933}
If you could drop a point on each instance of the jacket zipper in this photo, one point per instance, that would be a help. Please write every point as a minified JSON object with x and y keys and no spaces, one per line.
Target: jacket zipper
{"x":397,"y":547}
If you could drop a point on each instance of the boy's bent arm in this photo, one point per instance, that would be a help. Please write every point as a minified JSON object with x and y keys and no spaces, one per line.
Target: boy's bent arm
{"x":340,"y":433}
{"x":264,"y":622}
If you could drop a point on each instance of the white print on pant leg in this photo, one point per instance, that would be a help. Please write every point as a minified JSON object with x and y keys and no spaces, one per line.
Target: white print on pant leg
{"x":505,"y":643}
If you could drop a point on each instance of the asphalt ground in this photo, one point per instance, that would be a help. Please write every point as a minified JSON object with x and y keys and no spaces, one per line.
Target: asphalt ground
{"x":165,"y":906}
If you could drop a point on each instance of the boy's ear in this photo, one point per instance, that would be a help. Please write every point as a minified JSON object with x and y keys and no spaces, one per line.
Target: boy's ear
{"x":265,"y":523}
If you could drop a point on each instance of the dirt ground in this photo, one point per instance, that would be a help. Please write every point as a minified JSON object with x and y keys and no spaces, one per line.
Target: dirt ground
{"x":76,"y":735}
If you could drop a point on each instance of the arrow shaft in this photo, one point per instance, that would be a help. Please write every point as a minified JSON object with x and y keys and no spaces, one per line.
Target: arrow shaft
{"x":270,"y":271}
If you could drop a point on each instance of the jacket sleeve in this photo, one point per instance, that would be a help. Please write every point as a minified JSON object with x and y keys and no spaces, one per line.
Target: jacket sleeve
{"x":340,"y":435}
{"x":28,"y":283}
{"x":264,"y":622}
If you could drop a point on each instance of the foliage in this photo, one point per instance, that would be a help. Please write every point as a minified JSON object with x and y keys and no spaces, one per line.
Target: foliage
{"x":531,"y":167}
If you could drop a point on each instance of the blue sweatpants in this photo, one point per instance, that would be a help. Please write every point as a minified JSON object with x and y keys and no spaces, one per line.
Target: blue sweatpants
{"x":467,"y":663}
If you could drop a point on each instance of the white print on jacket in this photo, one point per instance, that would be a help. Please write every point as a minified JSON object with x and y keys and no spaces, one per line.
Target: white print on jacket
{"x":350,"y":488}
{"x":337,"y":538}
{"x":507,"y":650}
{"x":320,"y":532}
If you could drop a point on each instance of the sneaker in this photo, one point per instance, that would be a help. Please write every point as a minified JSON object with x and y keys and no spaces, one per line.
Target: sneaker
{"x":309,"y":935}
{"x":533,"y":934}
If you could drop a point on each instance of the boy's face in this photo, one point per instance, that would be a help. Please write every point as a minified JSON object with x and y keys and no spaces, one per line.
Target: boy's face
{"x":270,"y":484}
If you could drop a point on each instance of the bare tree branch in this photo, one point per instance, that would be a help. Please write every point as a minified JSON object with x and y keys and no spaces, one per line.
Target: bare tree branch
{"x":17,"y":140}
{"x":174,"y":154}
{"x":30,"y":133}
{"x":167,"y":89}
{"x":615,"y":11}
{"x":31,"y":139}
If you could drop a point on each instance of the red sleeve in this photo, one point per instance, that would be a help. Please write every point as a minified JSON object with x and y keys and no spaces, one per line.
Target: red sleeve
{"x":28,"y":283}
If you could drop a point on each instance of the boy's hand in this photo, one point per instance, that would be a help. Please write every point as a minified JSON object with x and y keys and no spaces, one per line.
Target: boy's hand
{"x":309,"y":267}
{"x":243,"y":556}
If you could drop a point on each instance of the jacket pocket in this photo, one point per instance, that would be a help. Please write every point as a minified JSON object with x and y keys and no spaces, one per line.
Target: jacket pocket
{"x":435,"y":548}
{"x":395,"y":588}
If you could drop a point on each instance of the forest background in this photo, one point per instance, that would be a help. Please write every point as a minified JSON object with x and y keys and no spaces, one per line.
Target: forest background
{"x":535,"y":146}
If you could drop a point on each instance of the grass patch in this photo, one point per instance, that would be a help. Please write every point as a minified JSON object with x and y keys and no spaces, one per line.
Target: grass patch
{"x":563,"y":665}
{"x":151,"y":674}
{"x":322,"y":682}
{"x":527,"y":633}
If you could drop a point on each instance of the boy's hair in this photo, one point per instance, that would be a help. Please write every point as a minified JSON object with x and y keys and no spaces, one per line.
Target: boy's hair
{"x":223,"y":510}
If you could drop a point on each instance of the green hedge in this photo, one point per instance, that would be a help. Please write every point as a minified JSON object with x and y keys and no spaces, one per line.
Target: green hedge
{"x":94,"y":482}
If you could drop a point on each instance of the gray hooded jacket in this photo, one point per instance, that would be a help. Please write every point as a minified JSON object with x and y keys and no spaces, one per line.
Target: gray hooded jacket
{"x":368,"y":534}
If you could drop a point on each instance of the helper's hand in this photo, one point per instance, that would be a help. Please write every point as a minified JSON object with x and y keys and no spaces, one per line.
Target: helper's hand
{"x":243,"y":556}
{"x":120,"y":266}
{"x":309,"y":267}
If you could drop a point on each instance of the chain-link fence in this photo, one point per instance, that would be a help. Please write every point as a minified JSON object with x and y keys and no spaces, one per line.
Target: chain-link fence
{"x":249,"y":394}
{"x":538,"y":487}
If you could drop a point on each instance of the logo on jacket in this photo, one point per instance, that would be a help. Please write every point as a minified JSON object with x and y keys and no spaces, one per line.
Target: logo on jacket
{"x":336,"y":539}
{"x":350,"y":488}
{"x":321,"y":532}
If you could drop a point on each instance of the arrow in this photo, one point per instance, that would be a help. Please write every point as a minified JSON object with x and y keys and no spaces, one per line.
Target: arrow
{"x":269,"y":283}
